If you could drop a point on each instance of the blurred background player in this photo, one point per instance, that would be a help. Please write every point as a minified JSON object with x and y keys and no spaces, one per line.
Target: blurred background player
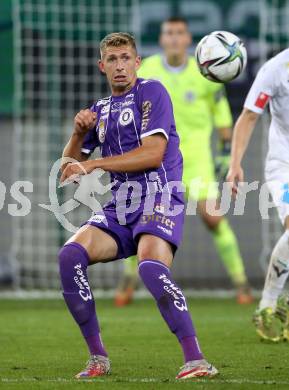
{"x":271,"y":84}
{"x":199,"y":106}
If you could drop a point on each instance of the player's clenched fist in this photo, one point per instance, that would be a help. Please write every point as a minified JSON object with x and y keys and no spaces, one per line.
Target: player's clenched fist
{"x":84,"y":121}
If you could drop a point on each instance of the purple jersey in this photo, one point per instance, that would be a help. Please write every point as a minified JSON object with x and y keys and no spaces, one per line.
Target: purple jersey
{"x":124,"y":121}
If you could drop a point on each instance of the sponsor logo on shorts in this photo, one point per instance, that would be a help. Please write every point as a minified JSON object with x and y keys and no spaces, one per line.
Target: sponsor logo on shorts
{"x":159,"y":208}
{"x":80,"y":280}
{"x":161,"y":219}
{"x":171,"y":288}
{"x":97,"y":218}
{"x":167,"y":231}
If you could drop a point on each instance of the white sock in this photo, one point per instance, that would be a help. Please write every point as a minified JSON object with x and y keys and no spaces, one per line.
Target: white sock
{"x":277,"y":272}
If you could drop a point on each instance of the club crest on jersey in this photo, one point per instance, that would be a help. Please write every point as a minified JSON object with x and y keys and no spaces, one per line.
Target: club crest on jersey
{"x":126,"y":116}
{"x":101,"y":131}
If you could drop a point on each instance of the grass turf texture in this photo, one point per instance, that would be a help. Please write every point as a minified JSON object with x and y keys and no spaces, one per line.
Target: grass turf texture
{"x":41,"y":347}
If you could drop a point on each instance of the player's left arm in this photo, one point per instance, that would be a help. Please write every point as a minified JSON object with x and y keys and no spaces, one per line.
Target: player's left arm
{"x":264,"y":88}
{"x":157,"y":115}
{"x":222,"y":119}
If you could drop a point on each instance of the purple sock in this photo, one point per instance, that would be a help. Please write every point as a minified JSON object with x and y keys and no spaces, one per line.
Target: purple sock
{"x":191,"y":348}
{"x":172,"y":305}
{"x":73,"y":262}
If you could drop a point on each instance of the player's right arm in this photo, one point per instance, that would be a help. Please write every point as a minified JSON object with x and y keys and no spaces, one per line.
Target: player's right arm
{"x":262,"y":90}
{"x":84,"y":121}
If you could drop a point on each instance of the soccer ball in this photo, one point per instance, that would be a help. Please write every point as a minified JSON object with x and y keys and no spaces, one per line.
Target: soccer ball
{"x":221,"y":56}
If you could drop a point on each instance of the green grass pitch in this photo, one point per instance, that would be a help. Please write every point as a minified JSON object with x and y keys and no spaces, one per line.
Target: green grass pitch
{"x":41,"y":347}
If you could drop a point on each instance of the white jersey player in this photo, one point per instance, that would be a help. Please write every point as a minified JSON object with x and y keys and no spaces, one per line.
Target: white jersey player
{"x":271,"y":85}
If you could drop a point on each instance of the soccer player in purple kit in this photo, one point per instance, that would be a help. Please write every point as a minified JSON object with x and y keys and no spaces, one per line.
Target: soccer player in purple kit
{"x":135,"y":130}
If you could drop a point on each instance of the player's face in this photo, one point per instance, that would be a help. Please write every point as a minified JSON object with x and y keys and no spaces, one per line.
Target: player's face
{"x":175,"y":38}
{"x":120,"y":65}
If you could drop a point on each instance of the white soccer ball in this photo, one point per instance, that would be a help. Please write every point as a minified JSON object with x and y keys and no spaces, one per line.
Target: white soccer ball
{"x":221,"y":56}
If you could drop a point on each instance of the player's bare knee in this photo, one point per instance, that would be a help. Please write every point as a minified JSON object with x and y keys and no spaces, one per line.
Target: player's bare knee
{"x":147,"y":253}
{"x":64,"y":257}
{"x":143,"y":251}
{"x":156,"y":248}
{"x":99,"y":246}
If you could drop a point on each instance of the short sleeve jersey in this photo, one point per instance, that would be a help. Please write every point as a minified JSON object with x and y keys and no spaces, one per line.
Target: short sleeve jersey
{"x":122,"y":124}
{"x":272,"y":85}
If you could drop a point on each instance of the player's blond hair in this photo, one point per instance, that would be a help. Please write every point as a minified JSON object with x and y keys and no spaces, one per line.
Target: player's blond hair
{"x":117,"y":39}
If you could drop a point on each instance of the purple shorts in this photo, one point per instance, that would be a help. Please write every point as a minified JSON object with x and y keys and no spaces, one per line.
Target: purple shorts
{"x":154,"y":219}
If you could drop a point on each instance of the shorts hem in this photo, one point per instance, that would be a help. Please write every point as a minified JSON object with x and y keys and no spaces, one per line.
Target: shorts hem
{"x":120,"y":251}
{"x":173,"y":243}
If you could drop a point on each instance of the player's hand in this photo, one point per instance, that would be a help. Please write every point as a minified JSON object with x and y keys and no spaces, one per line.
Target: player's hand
{"x":222,"y":160}
{"x":73,"y":171}
{"x":84,"y":121}
{"x":234,"y":177}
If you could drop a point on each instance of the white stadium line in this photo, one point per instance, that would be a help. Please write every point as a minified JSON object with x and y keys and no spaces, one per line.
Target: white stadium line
{"x":108,"y":294}
{"x":120,"y":380}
